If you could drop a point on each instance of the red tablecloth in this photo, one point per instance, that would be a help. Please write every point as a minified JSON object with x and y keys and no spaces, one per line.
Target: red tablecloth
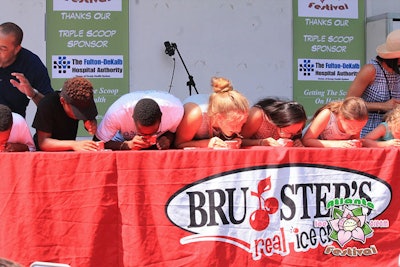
{"x":247,"y":207}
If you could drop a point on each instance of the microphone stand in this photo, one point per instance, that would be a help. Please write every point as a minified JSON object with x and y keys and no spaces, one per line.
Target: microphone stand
{"x":190,"y":83}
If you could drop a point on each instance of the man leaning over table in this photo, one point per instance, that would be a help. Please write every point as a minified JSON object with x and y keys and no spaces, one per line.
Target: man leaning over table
{"x":141,"y":120}
{"x":58,"y":114}
{"x":15,"y":135}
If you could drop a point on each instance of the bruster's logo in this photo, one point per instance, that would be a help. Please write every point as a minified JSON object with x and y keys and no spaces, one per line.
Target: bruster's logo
{"x":270,"y":210}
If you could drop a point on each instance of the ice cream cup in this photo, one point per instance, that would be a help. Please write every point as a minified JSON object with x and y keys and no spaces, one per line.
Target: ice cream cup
{"x":357,"y":143}
{"x":232,"y":144}
{"x":285,"y":142}
{"x":100,"y":145}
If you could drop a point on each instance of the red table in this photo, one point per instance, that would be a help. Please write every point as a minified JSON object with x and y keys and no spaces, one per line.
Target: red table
{"x":245,"y":207}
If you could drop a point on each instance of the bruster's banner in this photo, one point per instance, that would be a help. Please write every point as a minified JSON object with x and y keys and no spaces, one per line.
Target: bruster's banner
{"x":253,"y":207}
{"x":89,"y":39}
{"x":328,"y":49}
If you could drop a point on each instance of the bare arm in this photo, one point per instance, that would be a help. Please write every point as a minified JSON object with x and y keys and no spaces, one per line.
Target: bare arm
{"x":365,"y":77}
{"x":311,"y":137}
{"x":253,"y":123}
{"x":25,"y":87}
{"x":250,"y":128}
{"x":188,"y":127}
{"x":46,"y":143}
{"x":372,"y":138}
{"x":315,"y":129}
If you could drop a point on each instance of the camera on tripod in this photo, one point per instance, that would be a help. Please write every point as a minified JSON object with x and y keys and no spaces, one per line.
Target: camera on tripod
{"x":169,"y":48}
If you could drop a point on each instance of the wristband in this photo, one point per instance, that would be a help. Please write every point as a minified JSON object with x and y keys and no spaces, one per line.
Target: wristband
{"x":35,"y":93}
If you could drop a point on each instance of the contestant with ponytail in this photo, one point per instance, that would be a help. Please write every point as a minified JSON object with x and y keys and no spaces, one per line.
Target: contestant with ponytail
{"x":210,"y":120}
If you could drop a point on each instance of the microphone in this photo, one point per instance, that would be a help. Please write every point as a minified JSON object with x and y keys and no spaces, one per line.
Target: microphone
{"x":169,"y":48}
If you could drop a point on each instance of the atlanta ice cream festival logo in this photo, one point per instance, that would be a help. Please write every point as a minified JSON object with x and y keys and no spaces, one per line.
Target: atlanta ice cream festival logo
{"x":349,"y":221}
{"x":277,"y":209}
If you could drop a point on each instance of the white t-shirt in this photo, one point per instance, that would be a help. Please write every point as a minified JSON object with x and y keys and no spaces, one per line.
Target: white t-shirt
{"x":20,"y":132}
{"x":118,"y":124}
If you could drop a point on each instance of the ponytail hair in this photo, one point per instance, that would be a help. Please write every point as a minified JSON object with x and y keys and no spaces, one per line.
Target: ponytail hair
{"x":225,"y":99}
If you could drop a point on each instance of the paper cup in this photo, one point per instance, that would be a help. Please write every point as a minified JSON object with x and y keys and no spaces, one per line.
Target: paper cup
{"x":357,"y":143}
{"x":232,"y":144}
{"x":100,"y":145}
{"x":285,"y":142}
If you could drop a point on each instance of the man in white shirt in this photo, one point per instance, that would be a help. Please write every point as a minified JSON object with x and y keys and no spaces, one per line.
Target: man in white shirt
{"x":14,"y":132}
{"x":141,"y":120}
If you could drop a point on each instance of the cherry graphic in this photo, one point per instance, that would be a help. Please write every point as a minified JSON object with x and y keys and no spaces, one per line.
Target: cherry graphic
{"x":271,"y":204}
{"x":259,"y":219}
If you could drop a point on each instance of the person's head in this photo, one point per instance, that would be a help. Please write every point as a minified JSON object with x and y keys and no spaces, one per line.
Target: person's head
{"x":393,"y":120}
{"x":76,"y":97}
{"x":227,"y":108}
{"x":289,"y":116}
{"x":6,"y":122}
{"x":389,"y":52}
{"x":147,"y":117}
{"x":351,"y":113}
{"x":10,"y":43}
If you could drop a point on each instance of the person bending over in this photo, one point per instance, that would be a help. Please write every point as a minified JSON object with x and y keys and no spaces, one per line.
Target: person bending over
{"x":209,"y":121}
{"x":15,"y":135}
{"x":274,"y":122}
{"x":58,"y":114}
{"x":387,"y":133}
{"x":141,"y":120}
{"x":337,"y":124}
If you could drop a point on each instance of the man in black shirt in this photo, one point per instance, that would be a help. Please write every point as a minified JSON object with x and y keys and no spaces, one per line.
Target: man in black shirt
{"x":58,"y":114}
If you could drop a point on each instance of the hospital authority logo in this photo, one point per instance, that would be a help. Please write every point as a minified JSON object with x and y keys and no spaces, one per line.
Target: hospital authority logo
{"x":88,"y":66}
{"x":327,"y":69}
{"x":306,"y":67}
{"x":274,"y":210}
